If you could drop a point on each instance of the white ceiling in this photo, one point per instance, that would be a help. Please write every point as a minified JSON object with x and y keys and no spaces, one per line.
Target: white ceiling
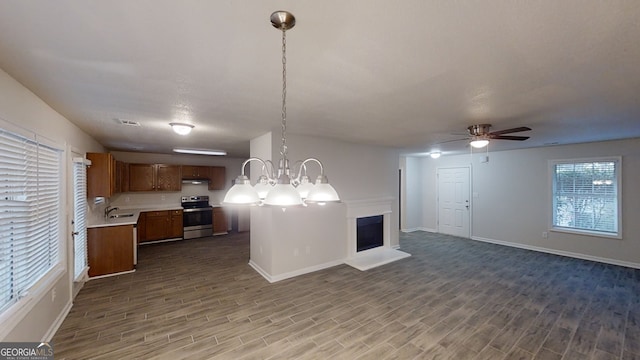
{"x":405,"y":73}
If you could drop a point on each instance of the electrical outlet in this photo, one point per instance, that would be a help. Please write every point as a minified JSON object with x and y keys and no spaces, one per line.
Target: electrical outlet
{"x":545,"y":235}
{"x":308,"y":249}
{"x":163,"y":198}
{"x":296,"y":252}
{"x":53,"y":295}
{"x":127,"y":199}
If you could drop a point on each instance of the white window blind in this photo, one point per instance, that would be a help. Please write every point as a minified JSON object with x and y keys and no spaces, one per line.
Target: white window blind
{"x":79,"y":218}
{"x":586,"y":196}
{"x":30,"y":184}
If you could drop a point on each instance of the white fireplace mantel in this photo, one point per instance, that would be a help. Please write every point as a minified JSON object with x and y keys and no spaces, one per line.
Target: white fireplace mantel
{"x":364,"y":260}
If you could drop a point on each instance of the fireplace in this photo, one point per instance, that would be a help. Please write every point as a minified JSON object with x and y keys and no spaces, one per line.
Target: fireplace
{"x":374,"y":250}
{"x":370,"y":232}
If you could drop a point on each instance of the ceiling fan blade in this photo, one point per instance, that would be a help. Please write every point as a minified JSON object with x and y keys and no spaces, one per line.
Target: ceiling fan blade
{"x":507,"y":137}
{"x":509,"y":131}
{"x":448,"y":141}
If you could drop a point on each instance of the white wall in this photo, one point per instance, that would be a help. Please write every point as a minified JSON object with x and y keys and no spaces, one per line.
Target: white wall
{"x":20,"y":108}
{"x":413,"y":193}
{"x":301,"y":240}
{"x":513,"y":202}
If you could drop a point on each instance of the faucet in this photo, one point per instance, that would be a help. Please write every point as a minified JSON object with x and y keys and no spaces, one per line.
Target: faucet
{"x":108,"y":210}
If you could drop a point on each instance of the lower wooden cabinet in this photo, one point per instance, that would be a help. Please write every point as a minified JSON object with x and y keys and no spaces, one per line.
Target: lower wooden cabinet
{"x":160,"y":225}
{"x":175,"y":227}
{"x":110,"y":249}
{"x":219,"y":221}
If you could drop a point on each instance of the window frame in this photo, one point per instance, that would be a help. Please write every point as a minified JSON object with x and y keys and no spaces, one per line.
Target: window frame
{"x":14,"y":313}
{"x":595,"y":233}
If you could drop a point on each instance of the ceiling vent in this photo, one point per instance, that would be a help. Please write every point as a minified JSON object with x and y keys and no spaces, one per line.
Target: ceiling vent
{"x":127,"y":122}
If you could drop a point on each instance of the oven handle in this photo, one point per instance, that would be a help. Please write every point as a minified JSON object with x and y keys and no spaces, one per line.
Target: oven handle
{"x":197,"y":209}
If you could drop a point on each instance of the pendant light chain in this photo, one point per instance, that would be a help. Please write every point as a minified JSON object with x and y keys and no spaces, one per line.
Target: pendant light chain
{"x":283,"y":149}
{"x":282,"y":186}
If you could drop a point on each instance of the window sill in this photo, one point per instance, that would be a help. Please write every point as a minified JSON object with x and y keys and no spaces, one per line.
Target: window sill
{"x":617,"y":236}
{"x":16,"y":312}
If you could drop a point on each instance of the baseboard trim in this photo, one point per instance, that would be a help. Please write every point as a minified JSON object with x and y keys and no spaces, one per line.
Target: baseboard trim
{"x":110,"y":275}
{"x":56,"y":324}
{"x":418,"y":229}
{"x":560,"y":252}
{"x":280,"y":277}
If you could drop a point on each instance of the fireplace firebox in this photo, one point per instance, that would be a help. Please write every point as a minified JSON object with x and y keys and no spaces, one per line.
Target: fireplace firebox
{"x":370,"y":232}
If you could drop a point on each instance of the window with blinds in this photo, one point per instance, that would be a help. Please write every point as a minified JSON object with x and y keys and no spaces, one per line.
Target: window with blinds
{"x":79,"y":218}
{"x":586,"y":196}
{"x":30,"y":188}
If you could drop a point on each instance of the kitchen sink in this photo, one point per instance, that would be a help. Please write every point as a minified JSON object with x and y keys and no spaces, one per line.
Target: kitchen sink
{"x":116,"y":216}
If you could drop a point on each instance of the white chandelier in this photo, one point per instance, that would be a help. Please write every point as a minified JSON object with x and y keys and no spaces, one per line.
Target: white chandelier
{"x":282,"y":187}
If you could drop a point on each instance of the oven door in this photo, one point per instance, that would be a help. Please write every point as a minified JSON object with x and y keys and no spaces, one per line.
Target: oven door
{"x":200,"y":218}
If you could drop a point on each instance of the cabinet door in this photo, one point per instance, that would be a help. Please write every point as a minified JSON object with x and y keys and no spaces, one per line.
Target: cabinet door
{"x":142,"y":227}
{"x":217,"y":175}
{"x":219,"y":221}
{"x":110,"y":249}
{"x":100,"y":175}
{"x":169,"y":178}
{"x":195,"y":172}
{"x":157,"y":225}
{"x":176,"y":229}
{"x":141,"y":177}
{"x":122,"y":177}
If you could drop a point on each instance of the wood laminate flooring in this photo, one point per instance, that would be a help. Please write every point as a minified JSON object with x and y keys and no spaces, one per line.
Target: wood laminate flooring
{"x":452,"y":299}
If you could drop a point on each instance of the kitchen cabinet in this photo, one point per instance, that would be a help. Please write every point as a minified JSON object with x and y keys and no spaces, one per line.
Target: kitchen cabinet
{"x":194,"y":172}
{"x":175,"y":227}
{"x":101,"y":175}
{"x":110,"y":249}
{"x":154,"y":177}
{"x":159,"y":225}
{"x":122,"y":177}
{"x":217,"y":177}
{"x":142,"y":227}
{"x":219,"y":221}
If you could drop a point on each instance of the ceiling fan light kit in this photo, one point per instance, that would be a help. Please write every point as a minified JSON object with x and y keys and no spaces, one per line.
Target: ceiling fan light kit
{"x":479,"y":143}
{"x":181,"y":128}
{"x":282,"y":187}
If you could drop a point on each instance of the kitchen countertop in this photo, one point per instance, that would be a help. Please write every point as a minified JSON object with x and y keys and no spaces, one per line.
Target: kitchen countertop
{"x":131,"y":220}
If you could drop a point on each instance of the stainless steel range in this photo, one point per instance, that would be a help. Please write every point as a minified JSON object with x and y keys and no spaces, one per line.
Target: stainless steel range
{"x":197,"y":216}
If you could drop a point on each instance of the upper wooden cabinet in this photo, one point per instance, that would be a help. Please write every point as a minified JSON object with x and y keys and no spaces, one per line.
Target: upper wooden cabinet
{"x":101,"y":175}
{"x":217,"y":177}
{"x":194,"y":172}
{"x":122,"y":177}
{"x":168,"y":177}
{"x":154,"y":177}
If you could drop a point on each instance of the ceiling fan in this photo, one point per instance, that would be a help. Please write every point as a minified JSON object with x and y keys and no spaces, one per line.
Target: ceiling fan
{"x":481,"y":134}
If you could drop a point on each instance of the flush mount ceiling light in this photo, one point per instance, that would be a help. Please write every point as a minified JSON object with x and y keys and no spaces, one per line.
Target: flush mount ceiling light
{"x":479,"y":142}
{"x":181,"y":128}
{"x":282,"y":187}
{"x":435,"y":154}
{"x":200,"y":151}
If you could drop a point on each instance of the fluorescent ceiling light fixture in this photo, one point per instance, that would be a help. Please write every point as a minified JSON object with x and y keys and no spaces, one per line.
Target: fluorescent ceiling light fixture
{"x":282,"y":186}
{"x":201,"y":151}
{"x":435,"y":154}
{"x":181,"y":128}
{"x":479,"y":143}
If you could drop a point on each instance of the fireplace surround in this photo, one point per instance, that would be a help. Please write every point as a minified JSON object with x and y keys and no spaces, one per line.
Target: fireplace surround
{"x":376,"y":256}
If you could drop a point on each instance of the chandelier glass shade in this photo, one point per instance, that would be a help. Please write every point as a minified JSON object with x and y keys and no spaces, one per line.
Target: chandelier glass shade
{"x":282,"y":186}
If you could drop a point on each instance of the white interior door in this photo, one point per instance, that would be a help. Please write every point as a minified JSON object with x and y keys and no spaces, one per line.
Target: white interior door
{"x":453,"y":201}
